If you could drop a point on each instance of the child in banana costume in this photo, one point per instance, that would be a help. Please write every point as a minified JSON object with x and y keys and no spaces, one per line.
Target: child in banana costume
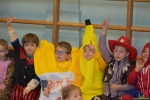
{"x":80,"y":70}
{"x":91,"y":68}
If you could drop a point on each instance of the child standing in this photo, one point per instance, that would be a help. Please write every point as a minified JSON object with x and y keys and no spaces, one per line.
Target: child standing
{"x":71,"y":92}
{"x":27,"y":83}
{"x":55,"y":68}
{"x":118,"y":68}
{"x":6,"y":71}
{"x":140,"y":75}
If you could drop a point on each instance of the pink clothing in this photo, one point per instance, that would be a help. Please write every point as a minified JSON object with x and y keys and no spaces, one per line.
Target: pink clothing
{"x":3,"y":70}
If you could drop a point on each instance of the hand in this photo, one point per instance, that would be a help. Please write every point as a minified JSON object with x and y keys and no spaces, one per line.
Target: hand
{"x":115,"y":87}
{"x":2,"y":88}
{"x":105,"y":26}
{"x":25,"y":91}
{"x":46,"y":92}
{"x":9,"y":20}
{"x":92,"y":48}
{"x":139,"y":65}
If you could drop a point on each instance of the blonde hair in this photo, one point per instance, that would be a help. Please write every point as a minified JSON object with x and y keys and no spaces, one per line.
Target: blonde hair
{"x":30,"y":38}
{"x":66,"y":91}
{"x":4,"y":43}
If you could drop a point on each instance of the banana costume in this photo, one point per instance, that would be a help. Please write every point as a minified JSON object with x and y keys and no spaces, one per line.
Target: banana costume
{"x":58,"y":74}
{"x":91,"y":70}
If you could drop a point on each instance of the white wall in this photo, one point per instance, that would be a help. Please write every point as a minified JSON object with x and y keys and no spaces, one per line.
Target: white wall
{"x":75,"y":11}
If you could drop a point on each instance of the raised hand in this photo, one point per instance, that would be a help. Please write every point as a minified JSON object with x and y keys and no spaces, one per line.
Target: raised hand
{"x":9,"y":20}
{"x":92,"y":48}
{"x":139,"y":65}
{"x":105,"y":26}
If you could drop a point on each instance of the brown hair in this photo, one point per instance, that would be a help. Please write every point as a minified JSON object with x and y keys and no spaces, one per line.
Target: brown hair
{"x":30,"y":38}
{"x":66,"y":91}
{"x":66,"y":45}
{"x":4,"y":43}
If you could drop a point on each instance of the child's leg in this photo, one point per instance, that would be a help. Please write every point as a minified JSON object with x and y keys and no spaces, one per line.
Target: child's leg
{"x":17,"y":93}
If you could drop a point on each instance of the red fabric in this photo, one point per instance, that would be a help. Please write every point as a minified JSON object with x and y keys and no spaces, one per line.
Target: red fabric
{"x":17,"y":94}
{"x":127,"y":97}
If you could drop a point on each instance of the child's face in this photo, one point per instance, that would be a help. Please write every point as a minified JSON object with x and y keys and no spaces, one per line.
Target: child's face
{"x":88,"y":54}
{"x":75,"y":95}
{"x":30,"y":48}
{"x":145,"y":54}
{"x":61,"y":54}
{"x":120,"y":53}
{"x":3,"y":52}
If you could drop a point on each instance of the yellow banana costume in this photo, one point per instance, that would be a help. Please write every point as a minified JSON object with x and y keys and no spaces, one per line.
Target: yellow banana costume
{"x":58,"y":74}
{"x":91,"y":70}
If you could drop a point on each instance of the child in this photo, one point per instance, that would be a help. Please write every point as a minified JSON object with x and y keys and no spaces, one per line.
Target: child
{"x":71,"y":93}
{"x":118,"y":68}
{"x":6,"y":71}
{"x":91,"y":64}
{"x":27,"y":83}
{"x":55,"y":68}
{"x":140,"y":75}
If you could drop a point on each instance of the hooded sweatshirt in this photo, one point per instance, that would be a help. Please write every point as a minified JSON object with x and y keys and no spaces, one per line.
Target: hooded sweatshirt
{"x":141,"y":79}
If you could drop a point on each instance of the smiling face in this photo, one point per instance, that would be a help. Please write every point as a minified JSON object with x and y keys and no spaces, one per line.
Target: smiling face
{"x":120,"y":53}
{"x":145,"y":54}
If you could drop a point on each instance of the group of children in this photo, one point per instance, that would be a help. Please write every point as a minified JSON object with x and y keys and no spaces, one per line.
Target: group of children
{"x":61,"y":72}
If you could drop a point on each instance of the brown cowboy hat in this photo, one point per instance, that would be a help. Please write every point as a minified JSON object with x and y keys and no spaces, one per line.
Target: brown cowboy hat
{"x":124,"y":41}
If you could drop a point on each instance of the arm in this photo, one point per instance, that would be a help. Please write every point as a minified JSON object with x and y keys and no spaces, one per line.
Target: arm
{"x":135,"y":72}
{"x":8,"y":80}
{"x":119,"y":87}
{"x":32,"y":84}
{"x":102,"y":42}
{"x":100,"y":60}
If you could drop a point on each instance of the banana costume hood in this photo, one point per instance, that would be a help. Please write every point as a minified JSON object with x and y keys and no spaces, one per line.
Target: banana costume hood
{"x":91,"y":70}
{"x":57,"y":74}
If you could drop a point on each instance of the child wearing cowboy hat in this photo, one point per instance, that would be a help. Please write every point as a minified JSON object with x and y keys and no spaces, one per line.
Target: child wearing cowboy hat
{"x":118,"y":65}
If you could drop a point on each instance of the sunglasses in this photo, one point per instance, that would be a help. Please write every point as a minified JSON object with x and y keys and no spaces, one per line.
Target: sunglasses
{"x":60,"y":52}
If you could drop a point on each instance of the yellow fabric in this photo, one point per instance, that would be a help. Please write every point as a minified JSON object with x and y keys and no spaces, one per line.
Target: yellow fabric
{"x":45,"y":62}
{"x":91,"y":70}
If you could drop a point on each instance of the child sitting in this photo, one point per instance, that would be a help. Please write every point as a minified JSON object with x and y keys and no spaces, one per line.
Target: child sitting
{"x":27,"y":83}
{"x":91,"y":64}
{"x":140,"y":76}
{"x":6,"y":71}
{"x":55,"y":68}
{"x":118,"y":68}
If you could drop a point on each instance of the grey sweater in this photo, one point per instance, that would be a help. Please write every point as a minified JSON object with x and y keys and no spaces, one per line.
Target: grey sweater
{"x":117,"y":69}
